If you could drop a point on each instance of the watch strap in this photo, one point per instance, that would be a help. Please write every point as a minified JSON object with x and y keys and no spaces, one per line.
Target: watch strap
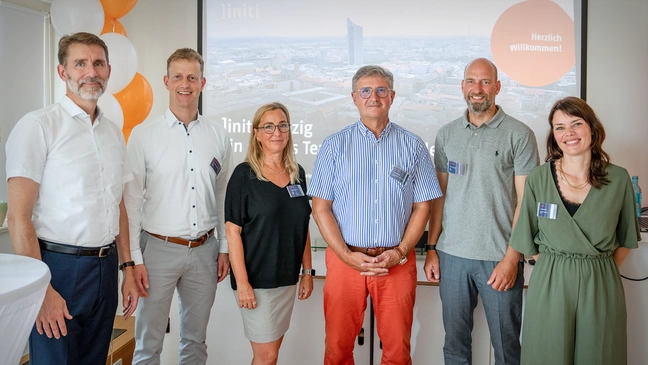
{"x":126,"y":264}
{"x":430,"y":247}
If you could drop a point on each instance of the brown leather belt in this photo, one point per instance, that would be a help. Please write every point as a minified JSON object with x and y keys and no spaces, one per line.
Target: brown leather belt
{"x":181,"y":241}
{"x":371,"y":251}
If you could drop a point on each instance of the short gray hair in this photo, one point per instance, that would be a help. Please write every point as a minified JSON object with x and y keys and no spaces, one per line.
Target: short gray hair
{"x":373,"y":70}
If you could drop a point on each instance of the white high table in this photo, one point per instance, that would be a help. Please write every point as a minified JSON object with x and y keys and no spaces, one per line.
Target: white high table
{"x":23,"y":282}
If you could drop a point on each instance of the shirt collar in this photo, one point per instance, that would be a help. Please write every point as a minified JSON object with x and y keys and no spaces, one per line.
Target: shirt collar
{"x":367,"y":133}
{"x":495,"y":121}
{"x":171,"y":119}
{"x":74,"y":110}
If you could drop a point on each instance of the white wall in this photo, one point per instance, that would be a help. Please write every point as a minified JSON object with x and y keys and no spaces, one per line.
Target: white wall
{"x":617,"y":80}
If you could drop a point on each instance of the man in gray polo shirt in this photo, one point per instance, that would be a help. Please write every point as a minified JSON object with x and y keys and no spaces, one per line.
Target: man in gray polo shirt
{"x":482,"y":160}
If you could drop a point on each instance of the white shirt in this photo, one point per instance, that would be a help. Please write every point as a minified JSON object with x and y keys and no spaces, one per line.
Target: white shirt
{"x":80,"y":167}
{"x":176,"y":191}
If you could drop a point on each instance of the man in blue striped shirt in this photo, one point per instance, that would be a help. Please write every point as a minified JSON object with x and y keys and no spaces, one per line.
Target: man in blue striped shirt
{"x":371,"y":186}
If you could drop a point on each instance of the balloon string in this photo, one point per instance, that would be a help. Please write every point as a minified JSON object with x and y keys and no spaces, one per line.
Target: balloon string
{"x":112,"y":21}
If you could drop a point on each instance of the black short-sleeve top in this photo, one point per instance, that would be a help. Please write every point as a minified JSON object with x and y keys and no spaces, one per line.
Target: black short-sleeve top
{"x":274,"y":227}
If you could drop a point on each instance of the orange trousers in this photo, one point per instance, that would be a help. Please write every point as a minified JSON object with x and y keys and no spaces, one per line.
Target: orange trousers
{"x":345,"y":302}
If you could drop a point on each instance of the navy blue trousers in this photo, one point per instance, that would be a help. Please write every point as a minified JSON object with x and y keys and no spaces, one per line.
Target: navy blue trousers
{"x":89,"y":287}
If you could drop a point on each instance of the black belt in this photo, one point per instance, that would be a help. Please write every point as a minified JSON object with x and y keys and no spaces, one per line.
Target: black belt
{"x":102,"y":251}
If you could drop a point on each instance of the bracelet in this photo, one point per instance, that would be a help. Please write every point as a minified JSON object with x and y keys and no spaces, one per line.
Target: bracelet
{"x":126,"y":264}
{"x":430,"y":247}
{"x":400,"y":251}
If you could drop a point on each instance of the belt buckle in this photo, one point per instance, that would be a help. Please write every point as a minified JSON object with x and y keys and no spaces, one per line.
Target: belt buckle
{"x":104,"y":251}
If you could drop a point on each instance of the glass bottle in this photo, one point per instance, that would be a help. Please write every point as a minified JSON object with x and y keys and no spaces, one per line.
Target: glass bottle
{"x":637,"y":192}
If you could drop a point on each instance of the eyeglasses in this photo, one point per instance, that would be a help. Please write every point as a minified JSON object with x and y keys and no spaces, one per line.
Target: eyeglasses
{"x":270,"y":128}
{"x":365,"y":92}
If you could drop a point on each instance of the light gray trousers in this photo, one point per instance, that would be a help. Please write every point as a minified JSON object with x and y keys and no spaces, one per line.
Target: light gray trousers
{"x":194,"y":272}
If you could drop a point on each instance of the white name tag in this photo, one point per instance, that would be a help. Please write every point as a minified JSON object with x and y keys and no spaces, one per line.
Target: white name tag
{"x":547,"y":210}
{"x":456,"y":168}
{"x":295,"y":191}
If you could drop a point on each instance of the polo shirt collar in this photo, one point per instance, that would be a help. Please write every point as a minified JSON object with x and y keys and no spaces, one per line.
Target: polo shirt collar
{"x":495,"y":121}
{"x":367,"y":133}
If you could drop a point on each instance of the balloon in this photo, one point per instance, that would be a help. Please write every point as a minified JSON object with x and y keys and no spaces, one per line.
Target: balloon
{"x":123,"y":61}
{"x":112,"y":25}
{"x":111,"y":109}
{"x":71,"y":16}
{"x":136,"y":101}
{"x":117,"y":8}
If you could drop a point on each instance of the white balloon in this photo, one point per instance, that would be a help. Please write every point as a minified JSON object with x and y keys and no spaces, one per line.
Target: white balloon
{"x":71,"y":16}
{"x":111,"y":109}
{"x":123,"y":61}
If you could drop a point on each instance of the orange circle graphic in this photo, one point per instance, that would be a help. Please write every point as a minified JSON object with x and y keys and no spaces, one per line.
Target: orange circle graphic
{"x":533,"y":42}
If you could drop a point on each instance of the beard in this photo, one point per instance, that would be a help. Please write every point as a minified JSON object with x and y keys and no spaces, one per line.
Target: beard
{"x":479,"y":108}
{"x":87,"y":94}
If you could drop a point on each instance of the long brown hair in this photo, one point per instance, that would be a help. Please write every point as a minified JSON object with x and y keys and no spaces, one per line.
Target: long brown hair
{"x":577,"y":107}
{"x":254,"y":155}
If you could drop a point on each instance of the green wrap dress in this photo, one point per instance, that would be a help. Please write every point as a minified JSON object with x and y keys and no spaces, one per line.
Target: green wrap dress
{"x":575,"y":309}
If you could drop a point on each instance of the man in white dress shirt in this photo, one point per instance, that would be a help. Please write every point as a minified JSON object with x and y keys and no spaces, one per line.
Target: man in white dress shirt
{"x":66,"y":164}
{"x":181,"y":162}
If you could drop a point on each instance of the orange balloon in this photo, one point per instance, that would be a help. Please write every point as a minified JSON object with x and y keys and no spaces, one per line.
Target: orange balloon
{"x":117,"y":8}
{"x":136,"y":101}
{"x":533,"y":42}
{"x":112,"y":25}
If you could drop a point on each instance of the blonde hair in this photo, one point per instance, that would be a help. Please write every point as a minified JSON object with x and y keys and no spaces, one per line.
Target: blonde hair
{"x":254,"y":155}
{"x":186,"y":54}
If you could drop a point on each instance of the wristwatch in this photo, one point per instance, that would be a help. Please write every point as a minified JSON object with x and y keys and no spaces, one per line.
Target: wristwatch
{"x":310,"y":272}
{"x":430,"y":247}
{"x":126,"y":264}
{"x":403,"y":258}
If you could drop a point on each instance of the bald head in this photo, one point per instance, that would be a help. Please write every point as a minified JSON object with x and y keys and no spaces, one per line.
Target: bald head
{"x":482,"y":61}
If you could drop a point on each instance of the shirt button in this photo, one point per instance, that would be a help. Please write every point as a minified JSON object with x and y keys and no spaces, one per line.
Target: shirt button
{"x":194,"y":224}
{"x":187,"y":133}
{"x":192,"y":188}
{"x":475,"y":133}
{"x":193,"y":206}
{"x":376,"y":221}
{"x":376,"y":201}
{"x":191,"y":169}
{"x":376,"y":181}
{"x":190,"y":151}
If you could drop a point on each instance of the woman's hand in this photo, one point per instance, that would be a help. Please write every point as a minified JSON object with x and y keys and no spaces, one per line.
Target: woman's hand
{"x":305,"y":287}
{"x":246,"y":297}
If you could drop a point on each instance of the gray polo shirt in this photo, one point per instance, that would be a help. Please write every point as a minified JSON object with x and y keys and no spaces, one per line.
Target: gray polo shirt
{"x":479,"y":204}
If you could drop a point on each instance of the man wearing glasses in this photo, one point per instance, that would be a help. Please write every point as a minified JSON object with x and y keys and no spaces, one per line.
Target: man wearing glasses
{"x":371,"y":186}
{"x":181,"y":162}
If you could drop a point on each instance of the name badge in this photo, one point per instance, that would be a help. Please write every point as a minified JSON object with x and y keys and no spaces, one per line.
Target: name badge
{"x":295,"y":191}
{"x":215,"y":165}
{"x":456,"y":168}
{"x":547,"y":210}
{"x":399,"y":175}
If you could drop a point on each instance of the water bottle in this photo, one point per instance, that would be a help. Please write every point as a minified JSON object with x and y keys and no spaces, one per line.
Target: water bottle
{"x":637,"y":192}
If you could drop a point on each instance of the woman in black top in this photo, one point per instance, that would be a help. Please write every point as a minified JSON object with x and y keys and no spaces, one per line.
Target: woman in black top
{"x":267,"y":214}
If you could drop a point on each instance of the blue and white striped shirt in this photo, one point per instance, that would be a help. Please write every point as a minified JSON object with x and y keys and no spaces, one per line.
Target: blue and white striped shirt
{"x":371,"y":202}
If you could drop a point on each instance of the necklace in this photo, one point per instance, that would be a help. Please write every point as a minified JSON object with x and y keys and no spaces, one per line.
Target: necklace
{"x":276,"y":172}
{"x":564,"y":178}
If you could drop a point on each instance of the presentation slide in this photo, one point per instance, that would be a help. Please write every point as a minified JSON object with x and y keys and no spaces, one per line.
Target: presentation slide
{"x":304,"y":54}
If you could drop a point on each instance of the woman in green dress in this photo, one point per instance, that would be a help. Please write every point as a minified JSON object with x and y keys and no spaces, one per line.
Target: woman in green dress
{"x":578,"y":212}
